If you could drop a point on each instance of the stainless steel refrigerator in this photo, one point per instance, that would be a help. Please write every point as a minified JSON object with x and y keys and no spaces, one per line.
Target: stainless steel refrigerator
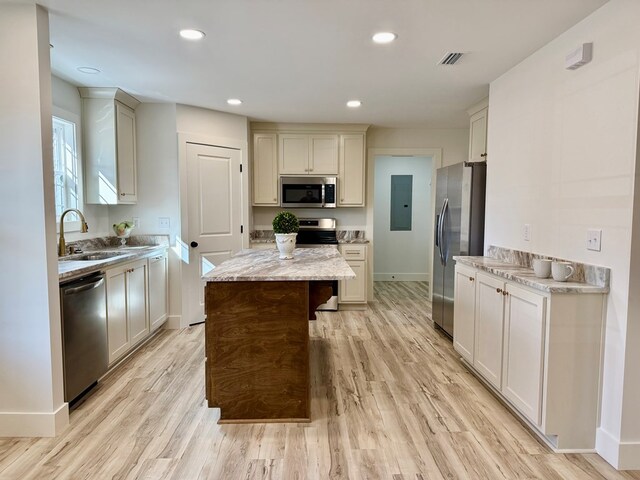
{"x":459,"y":230}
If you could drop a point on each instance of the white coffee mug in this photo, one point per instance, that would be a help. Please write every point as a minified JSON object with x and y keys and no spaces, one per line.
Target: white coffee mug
{"x":542,"y":267}
{"x":561,"y":271}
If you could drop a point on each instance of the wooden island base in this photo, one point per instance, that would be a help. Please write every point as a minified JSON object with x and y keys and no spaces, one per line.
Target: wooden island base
{"x":257,"y":348}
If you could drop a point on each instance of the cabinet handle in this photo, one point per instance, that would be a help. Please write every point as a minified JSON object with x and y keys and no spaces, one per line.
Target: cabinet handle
{"x":498,"y":290}
{"x":275,"y":199}
{"x":471,"y":279}
{"x":311,"y":169}
{"x":505,"y":293}
{"x":483,"y":155}
{"x":122,"y":194}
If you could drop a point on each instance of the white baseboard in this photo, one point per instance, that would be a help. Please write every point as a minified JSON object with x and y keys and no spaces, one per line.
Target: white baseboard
{"x":173,"y":322}
{"x":400,"y":277}
{"x":621,"y":455}
{"x":34,"y":424}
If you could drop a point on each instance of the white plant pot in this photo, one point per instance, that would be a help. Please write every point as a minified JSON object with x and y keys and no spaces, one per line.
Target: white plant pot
{"x":286,"y":243}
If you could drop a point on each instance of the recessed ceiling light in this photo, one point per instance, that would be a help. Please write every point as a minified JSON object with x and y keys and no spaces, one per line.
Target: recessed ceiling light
{"x":354,"y":103}
{"x":234,"y":101}
{"x":384,"y":37}
{"x":191,"y":34}
{"x":88,"y":70}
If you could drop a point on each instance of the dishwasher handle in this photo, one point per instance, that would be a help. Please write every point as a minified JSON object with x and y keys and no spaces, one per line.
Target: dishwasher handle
{"x":84,"y":288}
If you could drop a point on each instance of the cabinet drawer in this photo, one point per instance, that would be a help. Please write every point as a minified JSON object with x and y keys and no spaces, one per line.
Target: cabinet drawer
{"x":353,"y":252}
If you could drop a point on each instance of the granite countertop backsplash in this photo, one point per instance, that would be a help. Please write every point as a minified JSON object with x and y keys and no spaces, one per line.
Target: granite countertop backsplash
{"x":344,"y":236}
{"x":515,"y":265}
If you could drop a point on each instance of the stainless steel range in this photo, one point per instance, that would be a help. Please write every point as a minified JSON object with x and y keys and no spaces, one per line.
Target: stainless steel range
{"x":320,"y":232}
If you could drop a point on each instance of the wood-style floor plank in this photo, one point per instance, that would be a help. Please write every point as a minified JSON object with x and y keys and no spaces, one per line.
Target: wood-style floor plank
{"x":389,"y":400}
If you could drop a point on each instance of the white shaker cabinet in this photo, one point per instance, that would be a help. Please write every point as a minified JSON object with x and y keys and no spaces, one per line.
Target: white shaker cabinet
{"x":540,"y":351}
{"x":464,"y":312}
{"x":304,"y":154}
{"x":351,"y":180}
{"x":478,"y":131}
{"x":265,"y":169}
{"x":489,"y":320}
{"x":524,"y":331}
{"x":109,"y":146}
{"x":354,"y":291}
{"x":158,"y":290}
{"x":127,"y":318}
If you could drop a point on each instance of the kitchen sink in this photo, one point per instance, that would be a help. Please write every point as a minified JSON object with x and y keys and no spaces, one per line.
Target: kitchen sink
{"x":88,"y":257}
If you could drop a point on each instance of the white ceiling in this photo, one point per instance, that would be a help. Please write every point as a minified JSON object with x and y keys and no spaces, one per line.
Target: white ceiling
{"x":301,"y":60}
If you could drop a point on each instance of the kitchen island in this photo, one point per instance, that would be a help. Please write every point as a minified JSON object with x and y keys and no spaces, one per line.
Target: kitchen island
{"x":257,"y":332}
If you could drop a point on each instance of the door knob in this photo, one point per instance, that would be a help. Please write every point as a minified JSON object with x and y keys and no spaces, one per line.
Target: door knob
{"x":194,"y":244}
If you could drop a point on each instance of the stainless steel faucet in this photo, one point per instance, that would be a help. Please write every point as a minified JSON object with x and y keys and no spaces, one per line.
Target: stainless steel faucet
{"x":62,"y":246}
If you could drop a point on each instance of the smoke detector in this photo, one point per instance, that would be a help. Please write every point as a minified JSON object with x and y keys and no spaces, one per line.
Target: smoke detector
{"x":450,"y":58}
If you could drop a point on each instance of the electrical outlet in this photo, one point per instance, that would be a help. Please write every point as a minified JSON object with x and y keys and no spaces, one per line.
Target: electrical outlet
{"x":164,"y":222}
{"x":136,"y":221}
{"x":526,"y":232}
{"x":594,"y":238}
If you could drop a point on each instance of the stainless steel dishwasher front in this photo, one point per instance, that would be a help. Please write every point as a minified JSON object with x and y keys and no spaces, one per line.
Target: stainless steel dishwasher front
{"x":84,"y":333}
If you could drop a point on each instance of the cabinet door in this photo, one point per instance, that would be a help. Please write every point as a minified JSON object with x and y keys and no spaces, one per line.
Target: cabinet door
{"x":487,"y":358}
{"x":464,"y":312}
{"x":137,"y":317}
{"x":158,"y":290}
{"x":351,"y":176}
{"x":478,"y":136}
{"x":293,"y":154}
{"x":354,"y":290}
{"x":265,"y":169}
{"x":524,"y":338}
{"x":324,"y":154}
{"x":126,"y":154}
{"x":117,"y":331}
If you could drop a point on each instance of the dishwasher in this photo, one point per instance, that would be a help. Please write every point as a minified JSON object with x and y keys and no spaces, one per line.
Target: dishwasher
{"x":83,"y":306}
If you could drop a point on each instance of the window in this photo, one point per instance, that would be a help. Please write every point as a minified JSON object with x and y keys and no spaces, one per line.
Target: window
{"x":66,"y":168}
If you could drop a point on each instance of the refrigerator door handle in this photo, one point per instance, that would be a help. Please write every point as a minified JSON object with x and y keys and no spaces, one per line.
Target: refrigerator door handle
{"x":439,"y":232}
{"x":444,"y":249}
{"x":436,"y":230}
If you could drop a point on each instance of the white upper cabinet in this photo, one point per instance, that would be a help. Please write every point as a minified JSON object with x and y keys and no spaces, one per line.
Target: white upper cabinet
{"x":265,"y":169}
{"x":302,"y":154}
{"x":351,"y":179}
{"x":478,"y":131}
{"x":109,"y":143}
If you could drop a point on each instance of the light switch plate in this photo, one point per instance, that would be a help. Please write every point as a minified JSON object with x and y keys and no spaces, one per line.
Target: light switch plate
{"x":136,"y":221}
{"x":594,"y":239}
{"x":526,"y":232}
{"x":164,"y":222}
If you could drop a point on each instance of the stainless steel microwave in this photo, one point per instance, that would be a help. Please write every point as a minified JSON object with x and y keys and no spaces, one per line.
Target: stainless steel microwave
{"x":308,"y":192}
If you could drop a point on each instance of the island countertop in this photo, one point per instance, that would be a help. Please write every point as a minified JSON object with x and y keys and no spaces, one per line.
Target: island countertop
{"x":308,"y":264}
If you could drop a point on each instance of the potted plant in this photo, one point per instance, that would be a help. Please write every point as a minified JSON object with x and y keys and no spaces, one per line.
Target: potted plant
{"x":123,"y":230}
{"x":285,"y":227}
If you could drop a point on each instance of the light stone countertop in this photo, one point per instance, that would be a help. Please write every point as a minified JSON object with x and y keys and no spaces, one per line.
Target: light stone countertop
{"x":68,"y":268}
{"x":525,"y":276}
{"x":308,"y":264}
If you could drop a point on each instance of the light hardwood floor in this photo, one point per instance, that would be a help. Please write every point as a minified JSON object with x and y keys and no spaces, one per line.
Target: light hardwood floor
{"x":390,"y":400}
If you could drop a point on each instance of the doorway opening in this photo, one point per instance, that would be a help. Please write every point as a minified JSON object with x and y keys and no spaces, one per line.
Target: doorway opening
{"x":402,"y":218}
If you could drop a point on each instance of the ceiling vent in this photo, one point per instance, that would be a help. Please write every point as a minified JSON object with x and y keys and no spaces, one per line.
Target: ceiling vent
{"x":450,"y":58}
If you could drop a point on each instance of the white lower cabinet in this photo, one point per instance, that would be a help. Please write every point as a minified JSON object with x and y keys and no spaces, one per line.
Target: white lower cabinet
{"x":540,"y":351}
{"x":127,"y":320}
{"x":487,"y":357}
{"x":136,"y":303}
{"x":354,"y":291}
{"x":158,"y":290}
{"x":522,"y":371}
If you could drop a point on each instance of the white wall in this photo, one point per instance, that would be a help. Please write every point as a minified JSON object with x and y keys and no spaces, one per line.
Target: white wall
{"x":158,"y":188}
{"x":66,"y":97}
{"x":31,"y":388}
{"x":402,"y":255}
{"x":562,"y":158}
{"x":454,"y":142}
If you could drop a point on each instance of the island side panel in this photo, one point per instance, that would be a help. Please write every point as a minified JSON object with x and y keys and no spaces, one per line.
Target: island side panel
{"x":257,"y":348}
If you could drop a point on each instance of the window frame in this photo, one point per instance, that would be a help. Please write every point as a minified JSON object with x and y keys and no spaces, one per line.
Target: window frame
{"x":72,"y":226}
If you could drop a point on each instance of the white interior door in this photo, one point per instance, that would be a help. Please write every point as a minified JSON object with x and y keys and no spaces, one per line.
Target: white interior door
{"x":214,"y":215}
